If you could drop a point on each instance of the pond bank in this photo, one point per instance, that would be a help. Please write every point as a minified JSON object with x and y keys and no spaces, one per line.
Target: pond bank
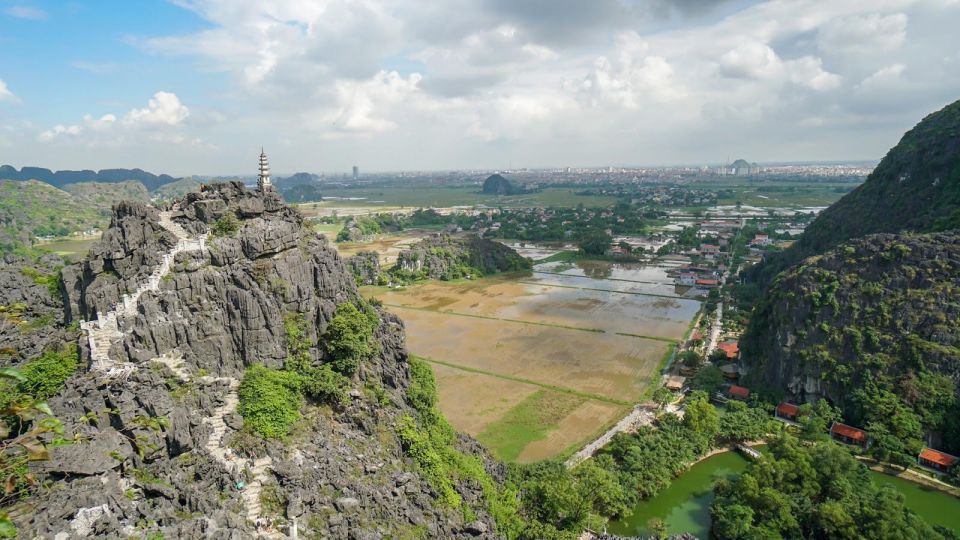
{"x":685,"y":504}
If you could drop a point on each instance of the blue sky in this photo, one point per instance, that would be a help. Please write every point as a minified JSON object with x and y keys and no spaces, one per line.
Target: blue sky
{"x":196,"y":86}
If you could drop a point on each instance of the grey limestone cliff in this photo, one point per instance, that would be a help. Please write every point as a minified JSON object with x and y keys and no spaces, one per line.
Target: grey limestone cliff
{"x":159,"y":445}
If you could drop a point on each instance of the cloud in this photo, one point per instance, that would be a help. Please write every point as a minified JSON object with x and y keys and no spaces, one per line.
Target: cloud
{"x":750,"y":60}
{"x":464,"y":83}
{"x":883,"y":77}
{"x":163,"y":112}
{"x":363,"y":107}
{"x":869,"y":33}
{"x":6,"y":94}
{"x":26,"y":12}
{"x":164,"y":108}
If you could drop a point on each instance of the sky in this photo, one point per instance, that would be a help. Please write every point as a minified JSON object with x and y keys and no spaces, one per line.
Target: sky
{"x":198,"y":86}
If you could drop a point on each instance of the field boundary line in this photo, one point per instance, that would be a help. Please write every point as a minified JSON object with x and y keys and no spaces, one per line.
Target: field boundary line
{"x":570,"y":391}
{"x":475,"y":316}
{"x":654,"y":338}
{"x":655,"y":295}
{"x":605,"y":279}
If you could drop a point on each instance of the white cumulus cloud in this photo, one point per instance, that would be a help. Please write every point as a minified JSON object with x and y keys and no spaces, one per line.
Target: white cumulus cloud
{"x":5,"y":93}
{"x":164,"y":108}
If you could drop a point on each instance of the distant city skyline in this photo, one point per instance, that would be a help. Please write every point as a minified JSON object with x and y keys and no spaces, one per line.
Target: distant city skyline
{"x":198,"y":86}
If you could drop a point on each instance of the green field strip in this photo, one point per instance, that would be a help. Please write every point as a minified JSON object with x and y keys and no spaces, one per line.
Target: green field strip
{"x":608,"y":290}
{"x":570,"y":391}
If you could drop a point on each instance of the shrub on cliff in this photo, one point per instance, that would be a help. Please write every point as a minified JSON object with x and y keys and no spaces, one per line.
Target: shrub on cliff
{"x":349,"y":338}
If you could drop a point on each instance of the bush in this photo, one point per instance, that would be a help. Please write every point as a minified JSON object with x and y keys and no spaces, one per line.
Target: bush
{"x":44,"y":376}
{"x":349,"y":337}
{"x":226,"y":225}
{"x":270,"y":400}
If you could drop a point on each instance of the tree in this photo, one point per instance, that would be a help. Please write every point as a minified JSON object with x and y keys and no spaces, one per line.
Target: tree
{"x":701,"y":417}
{"x":662,"y":397}
{"x":226,"y":225}
{"x":349,"y":338}
{"x":719,"y":357}
{"x":691,"y":358}
{"x":595,"y":242}
{"x":709,"y":379}
{"x":817,"y":419}
{"x":26,"y":424}
{"x":657,"y":527}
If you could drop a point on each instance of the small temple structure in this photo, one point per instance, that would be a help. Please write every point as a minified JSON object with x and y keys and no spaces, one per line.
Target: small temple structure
{"x":263,"y":179}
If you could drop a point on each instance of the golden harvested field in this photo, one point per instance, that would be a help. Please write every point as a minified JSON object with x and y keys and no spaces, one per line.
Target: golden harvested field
{"x":535,"y":371}
{"x":607,"y":365}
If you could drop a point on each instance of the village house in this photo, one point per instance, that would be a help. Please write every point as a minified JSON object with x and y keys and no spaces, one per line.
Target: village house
{"x":730,"y":372}
{"x":706,"y":283}
{"x":761,"y":240}
{"x":687,"y":278}
{"x":787,"y":411}
{"x":849,"y":434}
{"x":738,"y":392}
{"x":709,"y":250}
{"x":730,"y":348}
{"x":937,"y":460}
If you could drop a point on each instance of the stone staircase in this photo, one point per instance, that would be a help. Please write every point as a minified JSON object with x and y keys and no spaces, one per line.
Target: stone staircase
{"x":257,"y":467}
{"x":105,"y":330}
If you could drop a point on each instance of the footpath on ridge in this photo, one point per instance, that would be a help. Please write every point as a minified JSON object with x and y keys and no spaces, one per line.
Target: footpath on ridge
{"x":107,"y":330}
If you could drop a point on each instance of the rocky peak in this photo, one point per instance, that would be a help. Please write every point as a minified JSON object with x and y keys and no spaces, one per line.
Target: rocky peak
{"x":178,"y":302}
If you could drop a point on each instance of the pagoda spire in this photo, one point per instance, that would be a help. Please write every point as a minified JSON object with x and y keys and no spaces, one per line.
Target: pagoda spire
{"x":263,"y":179}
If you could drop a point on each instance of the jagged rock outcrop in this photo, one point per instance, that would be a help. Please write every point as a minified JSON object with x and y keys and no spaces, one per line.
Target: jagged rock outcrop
{"x":365,"y":266}
{"x":160,"y":446}
{"x":30,"y":307}
{"x":446,"y":257}
{"x":884,"y":307}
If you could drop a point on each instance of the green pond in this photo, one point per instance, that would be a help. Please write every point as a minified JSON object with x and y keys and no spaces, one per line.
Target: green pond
{"x":685,"y":505}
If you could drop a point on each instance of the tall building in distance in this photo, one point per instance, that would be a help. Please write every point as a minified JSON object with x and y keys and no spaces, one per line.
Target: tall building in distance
{"x":356,"y":172}
{"x":263,"y":179}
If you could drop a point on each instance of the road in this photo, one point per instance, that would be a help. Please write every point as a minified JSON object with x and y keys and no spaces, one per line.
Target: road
{"x":642,"y":415}
{"x":715,"y":330}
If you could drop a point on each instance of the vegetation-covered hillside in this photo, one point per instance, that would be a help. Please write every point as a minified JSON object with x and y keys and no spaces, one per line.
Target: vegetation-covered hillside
{"x":872,"y":326}
{"x":176,"y":189}
{"x":916,"y":187}
{"x":104,"y":195}
{"x":30,"y":209}
{"x":498,"y":185}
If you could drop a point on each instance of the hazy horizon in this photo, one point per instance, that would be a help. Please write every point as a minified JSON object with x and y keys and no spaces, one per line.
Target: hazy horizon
{"x":198,"y":86}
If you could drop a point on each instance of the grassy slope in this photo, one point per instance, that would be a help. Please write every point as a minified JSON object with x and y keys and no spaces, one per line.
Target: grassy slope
{"x":31,"y":208}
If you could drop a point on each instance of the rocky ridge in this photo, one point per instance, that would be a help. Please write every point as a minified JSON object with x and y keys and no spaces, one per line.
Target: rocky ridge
{"x":884,"y":307}
{"x":160,"y":447}
{"x":446,"y":257}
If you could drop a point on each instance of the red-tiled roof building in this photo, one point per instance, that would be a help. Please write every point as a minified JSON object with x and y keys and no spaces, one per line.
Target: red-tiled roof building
{"x":731,"y":348}
{"x":936,"y":459}
{"x":848,"y":434}
{"x":738,"y":392}
{"x":788,"y":411}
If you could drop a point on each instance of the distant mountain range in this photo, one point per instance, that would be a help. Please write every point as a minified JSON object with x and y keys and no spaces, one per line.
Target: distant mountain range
{"x":61,"y":178}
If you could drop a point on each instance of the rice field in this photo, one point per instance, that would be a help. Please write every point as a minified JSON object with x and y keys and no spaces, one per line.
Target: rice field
{"x":534,"y":369}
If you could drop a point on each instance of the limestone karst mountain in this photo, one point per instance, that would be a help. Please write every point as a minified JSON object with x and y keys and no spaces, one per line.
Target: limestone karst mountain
{"x":176,"y":306}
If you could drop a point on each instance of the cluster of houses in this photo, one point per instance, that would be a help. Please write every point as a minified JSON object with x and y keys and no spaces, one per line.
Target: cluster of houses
{"x":936,"y":460}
